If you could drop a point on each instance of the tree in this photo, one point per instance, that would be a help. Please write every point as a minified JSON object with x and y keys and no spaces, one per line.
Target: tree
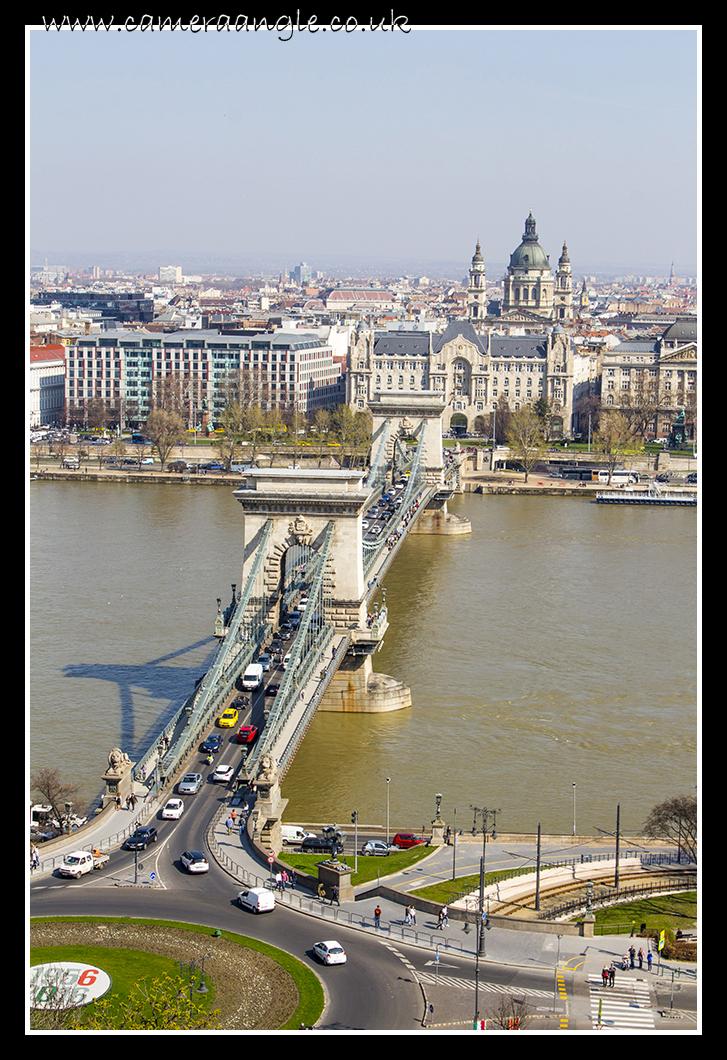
{"x":228,"y":442}
{"x":525,"y":438}
{"x":675,"y":819}
{"x":164,"y":430}
{"x":613,"y":438}
{"x":161,"y":1004}
{"x":54,"y":790}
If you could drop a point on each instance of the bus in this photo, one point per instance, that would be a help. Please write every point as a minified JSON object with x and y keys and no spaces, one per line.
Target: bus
{"x":619,"y":477}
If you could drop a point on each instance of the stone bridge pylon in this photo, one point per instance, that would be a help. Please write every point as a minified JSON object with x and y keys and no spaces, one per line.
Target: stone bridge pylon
{"x":304,"y":507}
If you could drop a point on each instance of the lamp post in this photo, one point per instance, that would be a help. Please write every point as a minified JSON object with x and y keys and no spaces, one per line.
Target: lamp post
{"x":484,"y":814}
{"x":574,"y":809}
{"x":388,"y":781}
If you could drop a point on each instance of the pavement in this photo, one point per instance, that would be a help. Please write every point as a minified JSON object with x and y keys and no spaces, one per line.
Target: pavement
{"x":576,"y":962}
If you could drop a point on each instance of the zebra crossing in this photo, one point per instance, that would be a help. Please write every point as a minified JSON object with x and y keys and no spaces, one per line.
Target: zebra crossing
{"x":624,"y":1006}
{"x":437,"y":979}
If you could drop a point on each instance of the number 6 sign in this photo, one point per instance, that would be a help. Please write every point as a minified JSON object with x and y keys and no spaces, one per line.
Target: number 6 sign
{"x":66,"y":985}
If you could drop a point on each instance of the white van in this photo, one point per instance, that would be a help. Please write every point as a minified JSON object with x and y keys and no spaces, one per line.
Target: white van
{"x":238,"y":468}
{"x":253,"y":677}
{"x":257,"y":900}
{"x":293,"y":833}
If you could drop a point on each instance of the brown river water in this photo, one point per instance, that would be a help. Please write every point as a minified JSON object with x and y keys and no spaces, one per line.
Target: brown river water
{"x":556,"y":645}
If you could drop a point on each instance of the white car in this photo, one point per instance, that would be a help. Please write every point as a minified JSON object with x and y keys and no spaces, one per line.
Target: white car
{"x":223,"y":774}
{"x":330,"y":952}
{"x":194,"y":861}
{"x":173,"y":810}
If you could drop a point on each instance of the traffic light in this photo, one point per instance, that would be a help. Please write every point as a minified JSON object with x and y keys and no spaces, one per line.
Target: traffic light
{"x":354,"y":817}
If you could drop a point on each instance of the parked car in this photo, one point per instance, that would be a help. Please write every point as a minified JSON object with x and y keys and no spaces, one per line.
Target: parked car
{"x":223,"y":774}
{"x":194,"y":861}
{"x":404,"y":840}
{"x":178,"y":465}
{"x":330,"y":952}
{"x":190,"y":784}
{"x":173,"y":810}
{"x":212,"y":744}
{"x":316,"y":845}
{"x":692,"y":478}
{"x":142,"y":837}
{"x":247,"y":734}
{"x":257,"y":900}
{"x":375,"y":846}
{"x":229,"y":718}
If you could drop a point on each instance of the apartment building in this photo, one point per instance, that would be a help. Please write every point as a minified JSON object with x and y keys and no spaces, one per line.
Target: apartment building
{"x":200,"y":373}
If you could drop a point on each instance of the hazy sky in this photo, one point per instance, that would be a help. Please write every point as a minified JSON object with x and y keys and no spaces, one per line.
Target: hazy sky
{"x":398,"y":147}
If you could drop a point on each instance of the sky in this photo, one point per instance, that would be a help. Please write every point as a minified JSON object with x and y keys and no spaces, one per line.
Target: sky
{"x":397,"y":149}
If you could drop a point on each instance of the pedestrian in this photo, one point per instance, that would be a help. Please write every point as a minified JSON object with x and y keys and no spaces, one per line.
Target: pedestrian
{"x":377,"y":917}
{"x":612,"y":974}
{"x":278,"y":881}
{"x":230,"y":824}
{"x":440,"y":921}
{"x":334,"y":896}
{"x":445,"y":915}
{"x":632,"y":956}
{"x":641,"y":957}
{"x":118,"y":802}
{"x":604,"y":974}
{"x":649,"y":959}
{"x":407,"y":916}
{"x":413,"y":914}
{"x":292,"y":880}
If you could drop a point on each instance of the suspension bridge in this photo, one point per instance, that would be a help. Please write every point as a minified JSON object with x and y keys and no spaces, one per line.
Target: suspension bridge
{"x":310,"y":557}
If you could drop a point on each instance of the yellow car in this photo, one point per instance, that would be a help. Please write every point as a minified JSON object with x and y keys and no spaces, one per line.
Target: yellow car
{"x":229,"y":718}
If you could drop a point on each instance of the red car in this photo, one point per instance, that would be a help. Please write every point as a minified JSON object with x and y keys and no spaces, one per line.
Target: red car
{"x":403,"y":840}
{"x":247,"y":734}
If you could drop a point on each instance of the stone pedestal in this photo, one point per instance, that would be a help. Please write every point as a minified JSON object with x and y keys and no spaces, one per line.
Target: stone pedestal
{"x":269,"y":806}
{"x":438,"y":827}
{"x":118,"y":777}
{"x":356,"y":689}
{"x":335,"y":874}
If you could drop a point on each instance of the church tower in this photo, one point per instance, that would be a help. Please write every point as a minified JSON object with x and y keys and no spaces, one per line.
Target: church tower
{"x":528,"y":283}
{"x":563,"y":296}
{"x":476,"y":292}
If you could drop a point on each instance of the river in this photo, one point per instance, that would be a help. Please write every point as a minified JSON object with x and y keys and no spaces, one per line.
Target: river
{"x":556,"y":645}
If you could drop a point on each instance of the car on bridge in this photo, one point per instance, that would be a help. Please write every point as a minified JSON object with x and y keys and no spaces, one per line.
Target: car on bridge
{"x":222,"y":774}
{"x":247,"y":734}
{"x":212,"y":744}
{"x":265,"y":660}
{"x":229,"y":717}
{"x":190,"y":784}
{"x":173,"y":810}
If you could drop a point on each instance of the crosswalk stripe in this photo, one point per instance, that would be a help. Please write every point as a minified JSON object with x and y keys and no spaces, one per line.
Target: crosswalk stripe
{"x":432,"y":979}
{"x":627,"y":1004}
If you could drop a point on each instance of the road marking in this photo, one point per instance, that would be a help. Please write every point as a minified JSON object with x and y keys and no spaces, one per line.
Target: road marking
{"x":433,"y":979}
{"x":627,"y":1004}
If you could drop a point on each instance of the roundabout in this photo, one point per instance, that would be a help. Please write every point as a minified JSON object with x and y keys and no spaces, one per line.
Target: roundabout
{"x":256,"y":986}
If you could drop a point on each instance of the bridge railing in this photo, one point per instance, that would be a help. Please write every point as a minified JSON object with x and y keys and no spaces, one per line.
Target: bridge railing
{"x":312,"y":639}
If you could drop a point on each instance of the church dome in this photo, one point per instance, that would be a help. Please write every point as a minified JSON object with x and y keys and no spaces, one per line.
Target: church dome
{"x":530,"y":254}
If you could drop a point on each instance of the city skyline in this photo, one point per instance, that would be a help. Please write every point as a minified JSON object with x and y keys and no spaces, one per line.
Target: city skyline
{"x":395,"y":151}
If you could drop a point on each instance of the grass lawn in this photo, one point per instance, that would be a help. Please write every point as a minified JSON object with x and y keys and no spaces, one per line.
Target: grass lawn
{"x":670,"y":912}
{"x":369,"y":868}
{"x":126,"y":967}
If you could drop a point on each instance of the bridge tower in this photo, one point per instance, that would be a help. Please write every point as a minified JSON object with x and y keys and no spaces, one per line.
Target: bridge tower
{"x":400,"y":414}
{"x":305,"y":506}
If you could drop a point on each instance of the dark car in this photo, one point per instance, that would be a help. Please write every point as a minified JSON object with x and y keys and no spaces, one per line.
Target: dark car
{"x":178,"y":465}
{"x":212,"y":467}
{"x":312,"y":844}
{"x":692,"y":478}
{"x":212,"y":744}
{"x":141,"y":838}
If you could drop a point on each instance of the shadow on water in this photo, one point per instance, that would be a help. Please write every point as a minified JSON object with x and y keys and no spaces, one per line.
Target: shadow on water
{"x":165,"y":687}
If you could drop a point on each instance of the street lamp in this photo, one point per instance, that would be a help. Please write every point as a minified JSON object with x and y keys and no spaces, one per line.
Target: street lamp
{"x":388,"y":781}
{"x":574,"y":809}
{"x":485,"y":815}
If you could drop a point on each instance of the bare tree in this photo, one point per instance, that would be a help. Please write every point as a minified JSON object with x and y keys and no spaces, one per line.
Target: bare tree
{"x":509,"y":1013}
{"x":164,"y":430}
{"x":675,"y":819}
{"x":613,"y":438}
{"x":54,"y":790}
{"x":525,"y":438}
